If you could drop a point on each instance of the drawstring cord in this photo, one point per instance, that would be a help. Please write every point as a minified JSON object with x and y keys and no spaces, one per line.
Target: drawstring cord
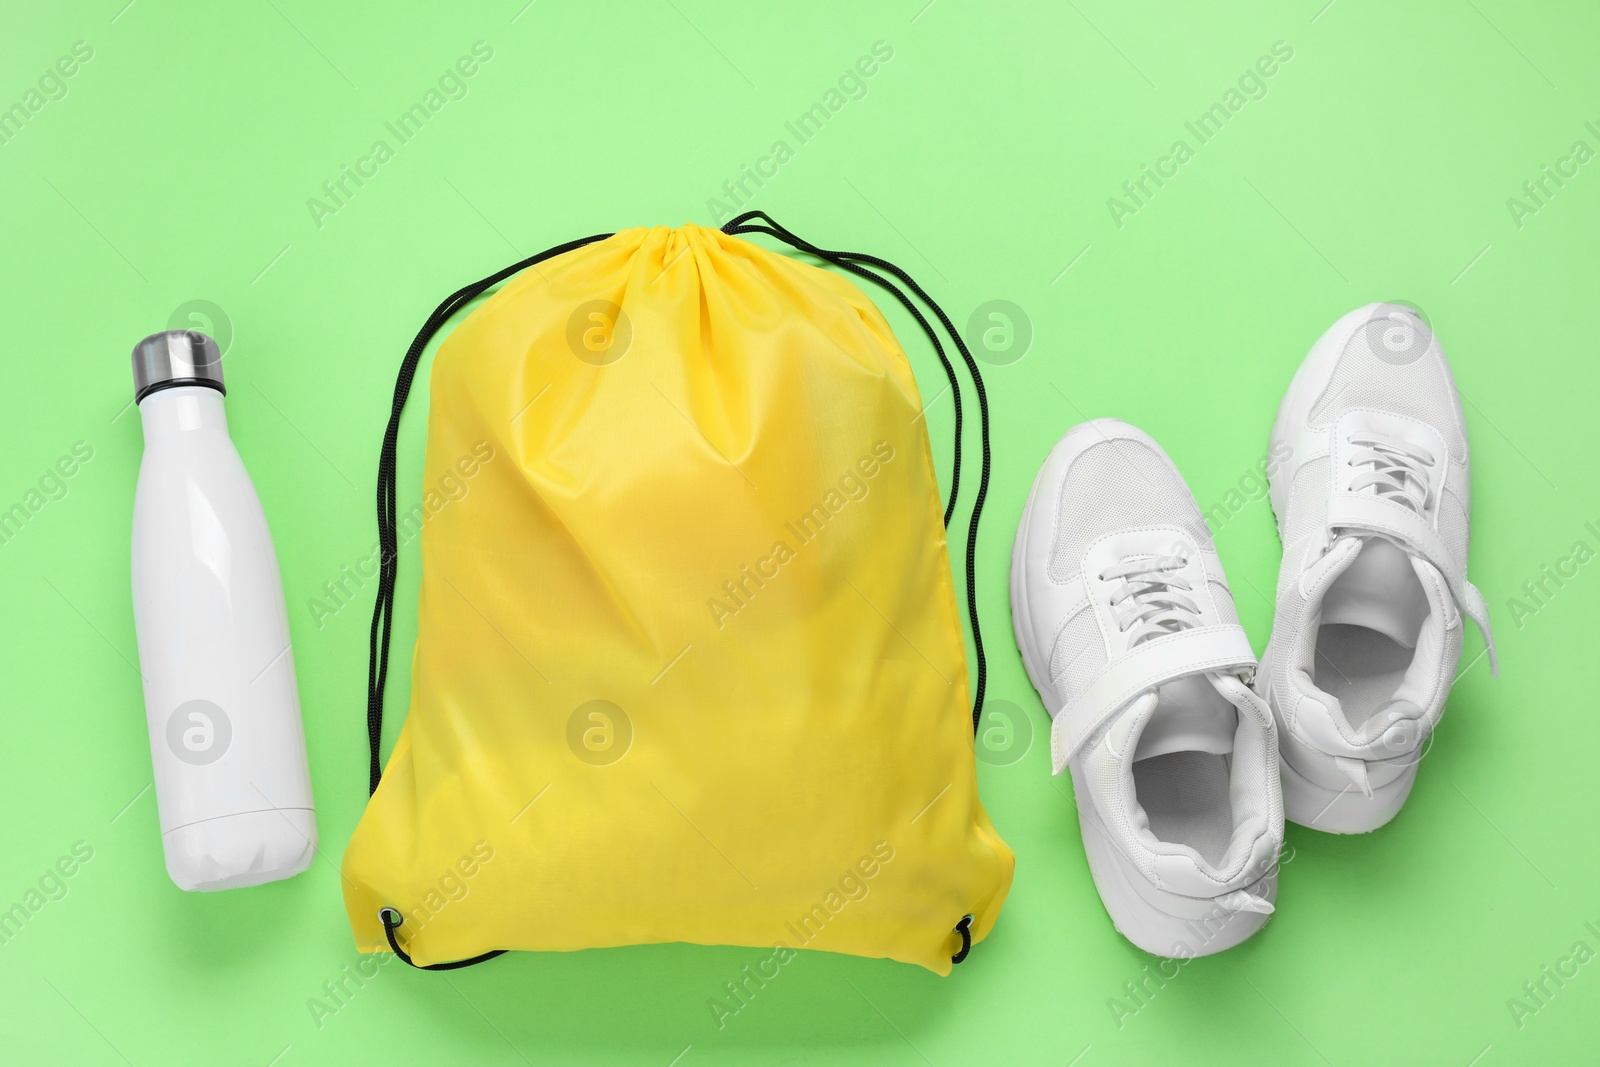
{"x":384,"y":915}
{"x":388,"y":541}
{"x":851,"y":261}
{"x":739,"y":226}
{"x":964,"y":928}
{"x":388,"y":546}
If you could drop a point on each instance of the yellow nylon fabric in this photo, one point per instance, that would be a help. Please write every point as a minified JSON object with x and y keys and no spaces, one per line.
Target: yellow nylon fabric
{"x":689,"y":663}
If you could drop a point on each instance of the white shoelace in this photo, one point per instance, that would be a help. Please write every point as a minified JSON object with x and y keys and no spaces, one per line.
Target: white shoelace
{"x":1150,"y":601}
{"x":1396,"y":471}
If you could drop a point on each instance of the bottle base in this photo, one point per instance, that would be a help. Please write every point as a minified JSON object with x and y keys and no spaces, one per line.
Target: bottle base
{"x":236,"y":851}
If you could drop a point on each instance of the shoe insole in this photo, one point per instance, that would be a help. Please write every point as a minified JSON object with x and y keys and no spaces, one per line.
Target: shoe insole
{"x":1185,"y":797}
{"x":1360,"y":668}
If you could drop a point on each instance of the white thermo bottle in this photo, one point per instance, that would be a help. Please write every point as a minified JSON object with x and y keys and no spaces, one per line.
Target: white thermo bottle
{"x":231,"y":780}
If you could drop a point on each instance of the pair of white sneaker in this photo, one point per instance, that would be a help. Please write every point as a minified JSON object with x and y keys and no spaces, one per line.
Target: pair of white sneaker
{"x":1185,"y":754}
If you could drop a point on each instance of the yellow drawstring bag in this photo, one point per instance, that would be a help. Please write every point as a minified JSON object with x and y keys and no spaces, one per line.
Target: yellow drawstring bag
{"x":689,"y":664}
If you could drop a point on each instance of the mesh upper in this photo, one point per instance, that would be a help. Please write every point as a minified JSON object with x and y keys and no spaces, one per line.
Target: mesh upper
{"x":1113,"y":485}
{"x":1418,"y":389}
{"x":1453,"y":529}
{"x":1308,"y":507}
{"x":1079,"y":654}
{"x":1223,"y":599}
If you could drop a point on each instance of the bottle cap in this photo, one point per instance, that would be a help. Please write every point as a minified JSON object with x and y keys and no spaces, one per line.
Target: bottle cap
{"x":176,"y":357}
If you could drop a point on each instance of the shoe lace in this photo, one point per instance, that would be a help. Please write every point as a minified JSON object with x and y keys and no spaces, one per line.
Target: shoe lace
{"x":1150,"y":601}
{"x":1395,"y":470}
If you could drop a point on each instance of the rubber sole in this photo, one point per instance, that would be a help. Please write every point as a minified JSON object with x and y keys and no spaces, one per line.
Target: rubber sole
{"x":1019,"y":608}
{"x":1342,"y":811}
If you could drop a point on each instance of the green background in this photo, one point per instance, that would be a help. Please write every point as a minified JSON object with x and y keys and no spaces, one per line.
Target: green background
{"x":1378,"y":165}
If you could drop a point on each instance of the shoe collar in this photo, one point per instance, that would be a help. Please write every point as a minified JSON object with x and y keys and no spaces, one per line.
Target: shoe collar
{"x":1398,"y":728}
{"x":1176,"y":867}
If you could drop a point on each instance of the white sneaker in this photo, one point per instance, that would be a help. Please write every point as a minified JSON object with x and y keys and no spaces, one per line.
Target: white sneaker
{"x":1372,"y":503}
{"x":1129,"y":633}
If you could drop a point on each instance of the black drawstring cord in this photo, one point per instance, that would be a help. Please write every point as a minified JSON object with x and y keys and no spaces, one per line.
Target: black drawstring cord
{"x":455,"y":965}
{"x":736,"y":227}
{"x":851,"y":261}
{"x":388,"y":547}
{"x":964,"y":928}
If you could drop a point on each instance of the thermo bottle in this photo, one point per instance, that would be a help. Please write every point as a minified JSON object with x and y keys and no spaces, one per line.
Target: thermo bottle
{"x":232,"y":784}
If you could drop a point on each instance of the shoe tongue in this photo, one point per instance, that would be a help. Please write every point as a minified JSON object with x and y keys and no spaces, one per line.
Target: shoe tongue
{"x":1186,"y":715}
{"x":1370,"y":592}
